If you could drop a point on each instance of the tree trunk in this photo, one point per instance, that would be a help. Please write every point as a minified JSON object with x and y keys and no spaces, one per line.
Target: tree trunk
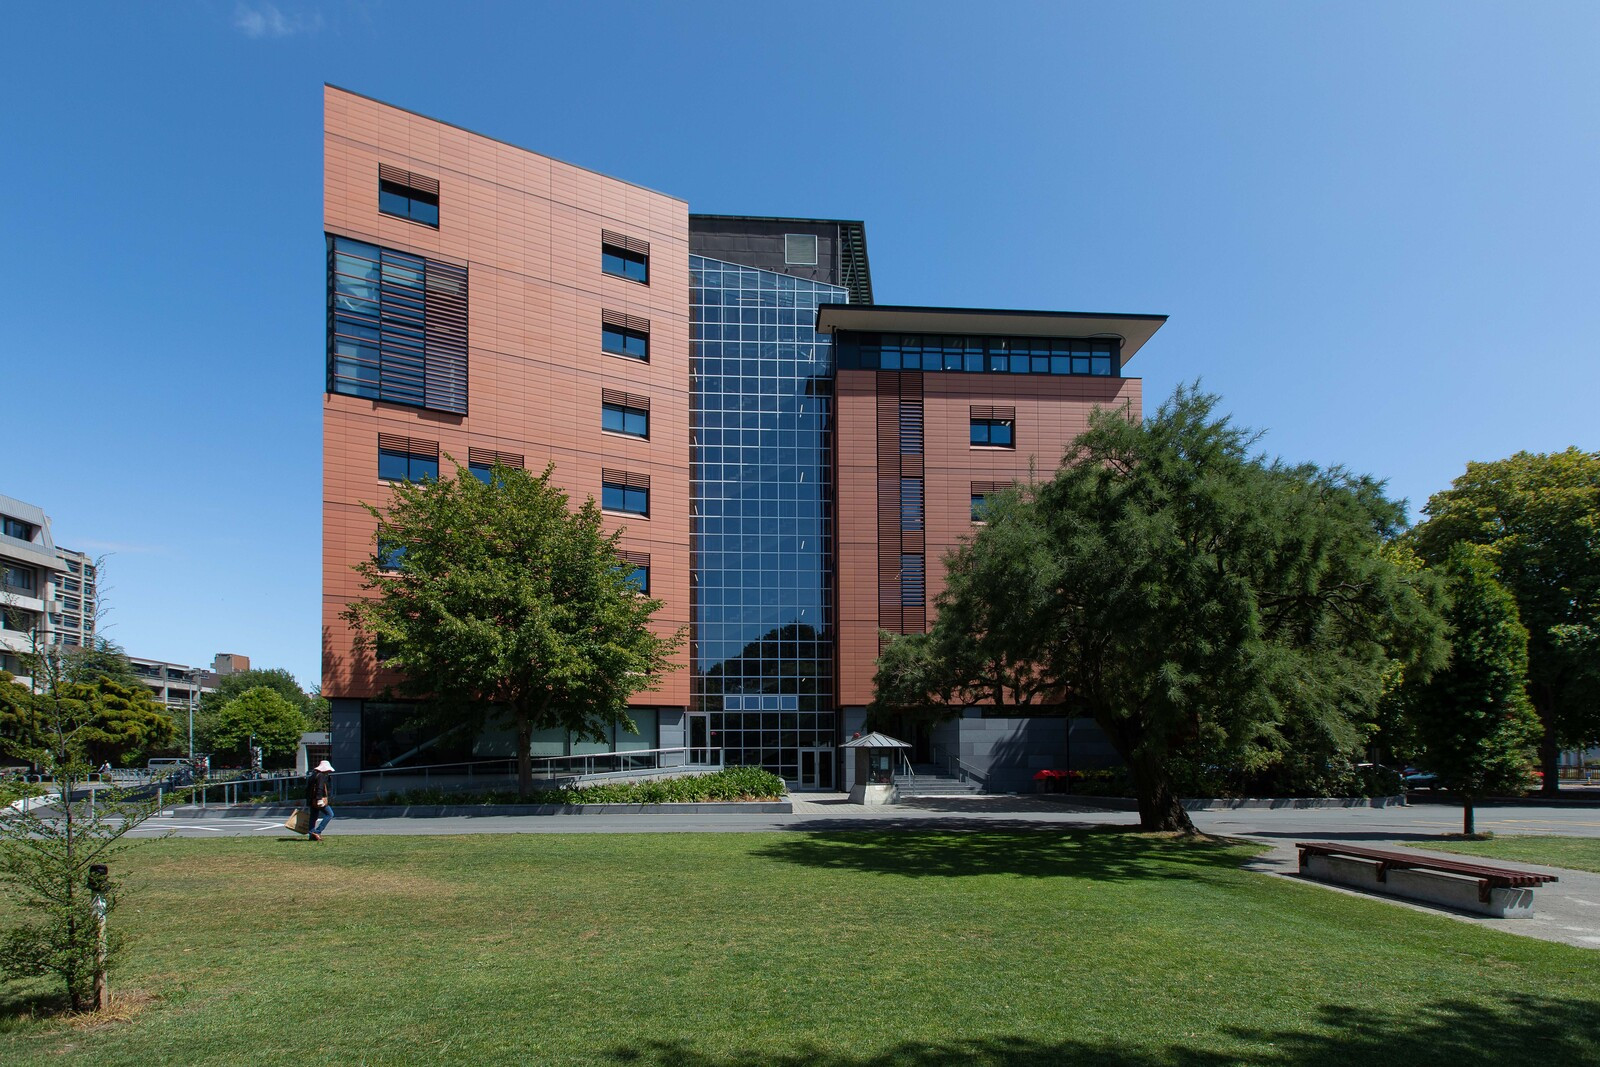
{"x":1160,"y":808}
{"x":524,"y":754}
{"x":1549,"y":751}
{"x":1550,"y":763}
{"x":1467,"y":823}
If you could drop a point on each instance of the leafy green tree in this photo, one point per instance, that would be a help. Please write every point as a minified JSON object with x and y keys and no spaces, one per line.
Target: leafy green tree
{"x":125,"y":718}
{"x":1204,"y":605}
{"x":1539,"y":517}
{"x":261,"y":713}
{"x":46,"y":851}
{"x":508,"y":605}
{"x":1472,"y":720}
{"x":986,"y":646}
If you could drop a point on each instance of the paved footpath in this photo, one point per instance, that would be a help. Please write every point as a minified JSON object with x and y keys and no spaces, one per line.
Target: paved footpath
{"x":1567,"y":911}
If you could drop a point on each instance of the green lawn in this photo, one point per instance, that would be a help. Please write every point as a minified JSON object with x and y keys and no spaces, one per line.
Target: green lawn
{"x":1574,"y":853}
{"x":840,"y":950}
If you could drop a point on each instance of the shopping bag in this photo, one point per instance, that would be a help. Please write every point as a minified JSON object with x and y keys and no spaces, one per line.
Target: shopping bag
{"x":299,"y":822}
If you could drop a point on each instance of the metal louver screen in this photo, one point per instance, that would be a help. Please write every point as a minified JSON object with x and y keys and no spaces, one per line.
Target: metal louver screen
{"x":625,"y":478}
{"x":993,"y":412}
{"x":488,"y":457}
{"x":624,"y":242}
{"x":415,"y":446}
{"x":627,"y":400}
{"x":638,"y":559}
{"x":411,"y":179}
{"x":625,"y":322}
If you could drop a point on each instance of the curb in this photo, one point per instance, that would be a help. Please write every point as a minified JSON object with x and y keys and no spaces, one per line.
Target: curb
{"x":452,"y":811}
{"x":1225,"y":803}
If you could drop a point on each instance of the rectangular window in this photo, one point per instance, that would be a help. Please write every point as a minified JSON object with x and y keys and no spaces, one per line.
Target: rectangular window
{"x":625,"y":257}
{"x":800,"y":249}
{"x":22,"y":531}
{"x":397,"y":327}
{"x":625,"y":335}
{"x":408,"y":196}
{"x":994,"y":427}
{"x":18,"y":578}
{"x":978,"y":501}
{"x":391,"y":553}
{"x":912,"y":580}
{"x":626,"y":413}
{"x":621,"y":491}
{"x":910,"y":503}
{"x":636,"y":567}
{"x":481,"y":462}
{"x":407,"y":459}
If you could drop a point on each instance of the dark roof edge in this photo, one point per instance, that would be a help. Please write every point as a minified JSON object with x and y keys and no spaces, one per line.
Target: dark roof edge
{"x":997,"y":312}
{"x":776,"y":218}
{"x":502,"y":140}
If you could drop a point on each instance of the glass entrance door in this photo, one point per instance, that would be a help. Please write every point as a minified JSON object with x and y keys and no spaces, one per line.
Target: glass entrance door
{"x":700,"y":739}
{"x":816,"y":768}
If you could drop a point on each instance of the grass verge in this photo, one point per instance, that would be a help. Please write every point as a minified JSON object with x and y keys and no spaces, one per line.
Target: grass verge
{"x":789,"y":949}
{"x":1574,"y":853}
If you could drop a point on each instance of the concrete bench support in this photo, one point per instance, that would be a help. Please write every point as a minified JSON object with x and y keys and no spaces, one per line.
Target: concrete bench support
{"x":1430,"y":887}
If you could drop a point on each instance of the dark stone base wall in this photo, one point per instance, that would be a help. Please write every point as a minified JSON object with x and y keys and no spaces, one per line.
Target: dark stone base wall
{"x":1009,"y":751}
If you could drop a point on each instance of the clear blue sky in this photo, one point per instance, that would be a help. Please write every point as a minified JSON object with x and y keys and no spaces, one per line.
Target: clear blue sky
{"x":1373,"y":224}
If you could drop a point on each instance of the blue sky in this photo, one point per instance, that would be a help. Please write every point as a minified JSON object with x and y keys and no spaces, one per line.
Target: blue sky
{"x":1372,"y":224}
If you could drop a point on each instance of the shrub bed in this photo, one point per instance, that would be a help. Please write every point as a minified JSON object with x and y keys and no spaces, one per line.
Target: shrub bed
{"x":733,"y":783}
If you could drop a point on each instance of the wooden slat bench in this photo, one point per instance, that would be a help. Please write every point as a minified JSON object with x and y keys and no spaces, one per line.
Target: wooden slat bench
{"x":1480,"y":887}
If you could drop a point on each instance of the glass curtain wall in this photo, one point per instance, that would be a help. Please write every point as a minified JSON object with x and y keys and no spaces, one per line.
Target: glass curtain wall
{"x":762,"y":524}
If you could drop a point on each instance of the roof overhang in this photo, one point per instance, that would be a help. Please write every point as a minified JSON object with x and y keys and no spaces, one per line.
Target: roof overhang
{"x":1133,"y":330}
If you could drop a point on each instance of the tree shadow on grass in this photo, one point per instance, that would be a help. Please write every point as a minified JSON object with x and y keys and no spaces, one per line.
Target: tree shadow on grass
{"x":1110,"y":854}
{"x":1520,"y":1028}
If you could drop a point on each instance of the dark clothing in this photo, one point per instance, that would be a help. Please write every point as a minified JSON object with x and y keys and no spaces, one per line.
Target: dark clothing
{"x":316,"y":789}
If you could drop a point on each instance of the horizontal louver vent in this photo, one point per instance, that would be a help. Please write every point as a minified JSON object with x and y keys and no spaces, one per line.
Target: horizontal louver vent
{"x":627,"y":400}
{"x":625,"y":478}
{"x":488,"y":457}
{"x":993,"y":412}
{"x":420,"y":182}
{"x":414,"y":446}
{"x":627,"y":244}
{"x":985,"y":488}
{"x":625,"y":322}
{"x":638,"y":559}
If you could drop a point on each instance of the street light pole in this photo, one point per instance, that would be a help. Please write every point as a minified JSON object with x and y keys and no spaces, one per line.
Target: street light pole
{"x":194,"y":691}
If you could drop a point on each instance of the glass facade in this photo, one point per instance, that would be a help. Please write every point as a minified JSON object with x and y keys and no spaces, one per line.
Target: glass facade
{"x":979,"y":355}
{"x":761,"y":647}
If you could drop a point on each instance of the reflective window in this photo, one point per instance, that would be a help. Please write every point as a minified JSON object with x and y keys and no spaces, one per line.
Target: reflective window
{"x":979,"y":502}
{"x":639,"y":577}
{"x":15,"y":576}
{"x":979,"y":355}
{"x":910,"y":503}
{"x":397,"y":326}
{"x":996,"y":433}
{"x":635,"y":266}
{"x":761,"y":593}
{"x":404,"y":202}
{"x":22,"y":531}
{"x":391,"y":554}
{"x":626,"y":498}
{"x":620,"y":341}
{"x":635,"y":422}
{"x":397,"y":466}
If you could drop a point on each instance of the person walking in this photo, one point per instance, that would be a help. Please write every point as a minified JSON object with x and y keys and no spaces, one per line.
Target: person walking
{"x":318,"y":811}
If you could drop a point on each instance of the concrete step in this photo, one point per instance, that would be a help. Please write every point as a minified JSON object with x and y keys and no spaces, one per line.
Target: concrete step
{"x":932,"y":785}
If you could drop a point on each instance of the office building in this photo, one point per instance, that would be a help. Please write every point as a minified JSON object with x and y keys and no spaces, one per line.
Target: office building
{"x":788,"y":461}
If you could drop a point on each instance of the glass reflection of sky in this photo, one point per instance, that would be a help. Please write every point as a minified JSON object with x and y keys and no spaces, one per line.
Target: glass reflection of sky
{"x":761,"y":466}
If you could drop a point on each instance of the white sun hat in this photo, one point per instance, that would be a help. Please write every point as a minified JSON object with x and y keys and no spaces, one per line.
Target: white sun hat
{"x":324,"y":766}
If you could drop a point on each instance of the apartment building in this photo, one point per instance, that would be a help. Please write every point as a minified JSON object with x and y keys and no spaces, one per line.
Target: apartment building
{"x":48,"y":594}
{"x":787,"y":460}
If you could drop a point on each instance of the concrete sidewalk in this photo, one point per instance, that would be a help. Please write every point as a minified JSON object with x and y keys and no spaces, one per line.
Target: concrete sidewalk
{"x":1567,"y":911}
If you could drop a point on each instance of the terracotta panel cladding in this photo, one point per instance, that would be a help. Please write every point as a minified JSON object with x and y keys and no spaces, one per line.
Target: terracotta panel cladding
{"x":528,"y":229}
{"x":1050,"y":412}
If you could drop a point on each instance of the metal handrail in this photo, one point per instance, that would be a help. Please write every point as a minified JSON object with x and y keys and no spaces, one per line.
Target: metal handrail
{"x":961,"y":770}
{"x":502,"y":770}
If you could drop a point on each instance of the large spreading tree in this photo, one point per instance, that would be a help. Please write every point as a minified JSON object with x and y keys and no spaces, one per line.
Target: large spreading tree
{"x":1471,"y":720}
{"x":496,"y":600}
{"x":1538,"y":515}
{"x":1199,"y":602}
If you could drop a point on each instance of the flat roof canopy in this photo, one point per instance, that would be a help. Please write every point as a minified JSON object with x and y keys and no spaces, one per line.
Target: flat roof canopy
{"x":1134,"y":330}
